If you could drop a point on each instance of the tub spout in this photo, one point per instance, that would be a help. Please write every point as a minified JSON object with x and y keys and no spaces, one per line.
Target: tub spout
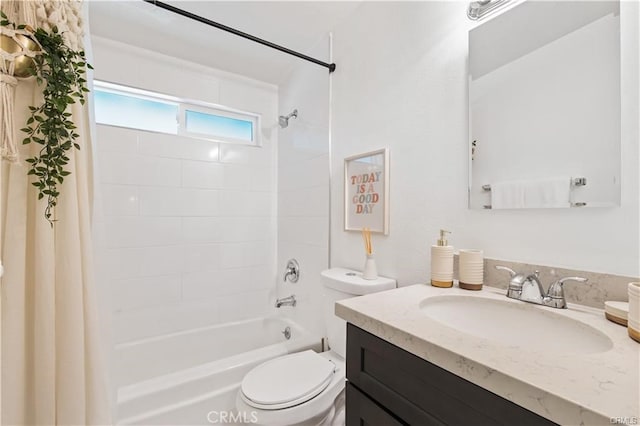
{"x":287,"y":301}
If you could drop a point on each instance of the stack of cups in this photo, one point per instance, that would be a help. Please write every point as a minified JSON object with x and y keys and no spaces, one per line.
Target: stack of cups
{"x":471,"y":269}
{"x":633,"y":320}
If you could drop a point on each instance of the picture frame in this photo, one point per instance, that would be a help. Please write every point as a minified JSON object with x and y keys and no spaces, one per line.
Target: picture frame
{"x":366,"y":191}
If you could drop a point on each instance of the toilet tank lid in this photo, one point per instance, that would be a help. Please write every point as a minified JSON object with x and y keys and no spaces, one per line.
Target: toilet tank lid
{"x":351,"y":282}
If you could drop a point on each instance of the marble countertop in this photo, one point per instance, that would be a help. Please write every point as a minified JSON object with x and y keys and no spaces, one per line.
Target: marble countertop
{"x":569,"y":389}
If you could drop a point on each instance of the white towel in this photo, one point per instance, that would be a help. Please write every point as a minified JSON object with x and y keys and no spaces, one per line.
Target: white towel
{"x":544,"y":193}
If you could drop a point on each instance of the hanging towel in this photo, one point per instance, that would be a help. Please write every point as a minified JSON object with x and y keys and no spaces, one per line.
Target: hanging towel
{"x":546,"y":193}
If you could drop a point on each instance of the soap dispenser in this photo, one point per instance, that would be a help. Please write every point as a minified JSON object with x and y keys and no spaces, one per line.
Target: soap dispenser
{"x":442,"y":262}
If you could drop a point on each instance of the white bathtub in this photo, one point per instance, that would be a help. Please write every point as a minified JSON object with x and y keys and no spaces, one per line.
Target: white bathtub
{"x":179,"y":378}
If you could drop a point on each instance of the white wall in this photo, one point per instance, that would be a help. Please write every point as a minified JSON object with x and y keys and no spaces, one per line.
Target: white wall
{"x":189,"y":224}
{"x":401,"y":82}
{"x":303,"y":187}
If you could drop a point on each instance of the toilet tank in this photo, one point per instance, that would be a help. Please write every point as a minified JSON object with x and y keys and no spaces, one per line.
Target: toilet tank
{"x":340,"y":284}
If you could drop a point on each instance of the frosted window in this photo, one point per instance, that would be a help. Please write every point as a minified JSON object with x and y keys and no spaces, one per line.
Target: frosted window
{"x":134,"y":112}
{"x":217,"y":125}
{"x":122,"y":106}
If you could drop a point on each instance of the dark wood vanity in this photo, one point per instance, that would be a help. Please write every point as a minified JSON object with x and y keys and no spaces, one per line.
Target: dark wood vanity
{"x":387,"y":385}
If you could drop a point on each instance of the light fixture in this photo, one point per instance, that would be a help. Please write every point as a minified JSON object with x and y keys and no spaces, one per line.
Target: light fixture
{"x":482,"y":8}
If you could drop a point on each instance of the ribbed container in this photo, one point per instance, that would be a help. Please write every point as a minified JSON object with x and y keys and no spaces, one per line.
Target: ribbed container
{"x":471,"y":269}
{"x":442,"y":266}
{"x":633,"y":320}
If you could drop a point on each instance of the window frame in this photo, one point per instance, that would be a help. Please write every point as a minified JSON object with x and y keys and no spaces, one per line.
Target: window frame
{"x":182,"y":123}
{"x":184,"y":105}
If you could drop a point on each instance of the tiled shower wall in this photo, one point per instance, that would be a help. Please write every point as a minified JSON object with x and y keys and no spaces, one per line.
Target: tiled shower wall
{"x":303,"y":187}
{"x":189,"y":224}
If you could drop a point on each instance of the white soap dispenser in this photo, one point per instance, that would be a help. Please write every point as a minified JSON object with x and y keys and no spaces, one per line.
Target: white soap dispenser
{"x":442,"y":262}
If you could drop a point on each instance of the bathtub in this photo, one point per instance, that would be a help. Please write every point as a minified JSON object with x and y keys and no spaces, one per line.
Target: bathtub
{"x":180,"y":378}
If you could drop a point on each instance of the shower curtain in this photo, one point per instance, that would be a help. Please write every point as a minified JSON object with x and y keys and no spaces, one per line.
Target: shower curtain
{"x":52,"y":362}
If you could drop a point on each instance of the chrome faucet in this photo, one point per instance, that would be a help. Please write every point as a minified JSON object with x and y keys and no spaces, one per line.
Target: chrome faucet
{"x":530,"y":289}
{"x":287,"y":301}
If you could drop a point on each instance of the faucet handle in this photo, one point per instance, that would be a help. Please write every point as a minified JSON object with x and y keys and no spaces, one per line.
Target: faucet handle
{"x":578,"y":279}
{"x":555,"y":294}
{"x":514,"y":290}
{"x":505,"y":268}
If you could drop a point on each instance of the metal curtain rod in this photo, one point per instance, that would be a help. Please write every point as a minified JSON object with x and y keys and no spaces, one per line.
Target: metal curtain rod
{"x":331,"y":67}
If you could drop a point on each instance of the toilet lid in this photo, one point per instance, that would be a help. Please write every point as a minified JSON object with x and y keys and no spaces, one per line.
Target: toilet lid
{"x":287,"y":381}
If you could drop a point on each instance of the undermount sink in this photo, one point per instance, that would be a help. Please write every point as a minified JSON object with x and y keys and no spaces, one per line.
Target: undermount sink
{"x":516,"y":324}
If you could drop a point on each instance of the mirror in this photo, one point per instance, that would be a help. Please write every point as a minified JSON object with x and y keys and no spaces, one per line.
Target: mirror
{"x":544,"y":104}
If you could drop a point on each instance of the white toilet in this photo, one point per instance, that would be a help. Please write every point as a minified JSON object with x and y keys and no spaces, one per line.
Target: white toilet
{"x":306,"y":388}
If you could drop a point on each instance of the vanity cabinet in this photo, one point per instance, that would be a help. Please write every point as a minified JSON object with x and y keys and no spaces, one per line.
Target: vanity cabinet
{"x":387,"y":385}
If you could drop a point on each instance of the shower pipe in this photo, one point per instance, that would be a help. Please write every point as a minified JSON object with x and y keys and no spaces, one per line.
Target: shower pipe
{"x":165,"y":6}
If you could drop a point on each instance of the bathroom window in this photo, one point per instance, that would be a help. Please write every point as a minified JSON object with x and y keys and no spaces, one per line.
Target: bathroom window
{"x":202,"y":122}
{"x":123,"y":106}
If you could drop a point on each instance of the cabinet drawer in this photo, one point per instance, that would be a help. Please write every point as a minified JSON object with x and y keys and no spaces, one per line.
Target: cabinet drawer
{"x":389,"y":374}
{"x":362,"y":411}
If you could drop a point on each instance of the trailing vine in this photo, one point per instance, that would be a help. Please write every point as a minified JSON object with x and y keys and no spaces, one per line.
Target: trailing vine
{"x":62,"y":71}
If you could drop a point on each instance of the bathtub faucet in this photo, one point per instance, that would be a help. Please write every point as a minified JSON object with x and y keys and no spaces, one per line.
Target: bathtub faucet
{"x":287,"y":301}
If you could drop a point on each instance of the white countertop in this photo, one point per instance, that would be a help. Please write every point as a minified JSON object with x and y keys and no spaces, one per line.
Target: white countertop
{"x":568,"y":389}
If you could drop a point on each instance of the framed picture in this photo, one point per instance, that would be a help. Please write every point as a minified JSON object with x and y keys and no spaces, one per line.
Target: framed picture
{"x":366,"y":191}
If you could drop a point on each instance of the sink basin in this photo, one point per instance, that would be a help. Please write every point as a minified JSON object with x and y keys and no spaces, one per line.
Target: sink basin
{"x":516,"y":324}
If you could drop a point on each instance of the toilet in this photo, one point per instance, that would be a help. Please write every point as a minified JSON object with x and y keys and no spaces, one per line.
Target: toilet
{"x":306,"y":388}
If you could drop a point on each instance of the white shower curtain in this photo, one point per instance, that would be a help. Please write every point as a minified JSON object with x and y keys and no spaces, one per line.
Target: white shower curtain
{"x":52,"y":362}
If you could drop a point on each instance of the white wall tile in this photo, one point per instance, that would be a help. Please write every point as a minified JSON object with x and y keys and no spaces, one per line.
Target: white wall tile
{"x":243,"y":306}
{"x":159,"y":171}
{"x":201,"y":229}
{"x":202,"y":257}
{"x":199,"y":202}
{"x":201,"y":285}
{"x":200,"y":174}
{"x":119,"y":200}
{"x":145,"y":292}
{"x":262,"y":179}
{"x":310,"y":201}
{"x":137,"y":231}
{"x":238,"y":255}
{"x":177,"y":147}
{"x":304,"y":174}
{"x":125,"y":168}
{"x":110,"y":138}
{"x":245,"y":154}
{"x":213,"y":284}
{"x":305,"y":230}
{"x":144,"y":261}
{"x":156,"y":201}
{"x":245,"y":229}
{"x":242,"y":203}
{"x":201,"y":150}
{"x":168,"y":318}
{"x":237,"y":177}
{"x":118,"y":168}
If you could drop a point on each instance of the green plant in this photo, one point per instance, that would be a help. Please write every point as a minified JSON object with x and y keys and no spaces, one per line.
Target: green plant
{"x":62,"y":70}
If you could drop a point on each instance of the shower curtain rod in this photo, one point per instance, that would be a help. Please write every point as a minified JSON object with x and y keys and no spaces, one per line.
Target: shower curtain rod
{"x":165,"y":6}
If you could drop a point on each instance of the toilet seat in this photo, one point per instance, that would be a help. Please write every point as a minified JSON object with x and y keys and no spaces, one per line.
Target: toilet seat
{"x":287,"y":381}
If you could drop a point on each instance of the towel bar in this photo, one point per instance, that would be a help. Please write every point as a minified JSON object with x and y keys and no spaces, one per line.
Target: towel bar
{"x":579,"y":204}
{"x":579,"y":181}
